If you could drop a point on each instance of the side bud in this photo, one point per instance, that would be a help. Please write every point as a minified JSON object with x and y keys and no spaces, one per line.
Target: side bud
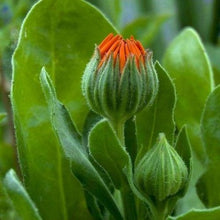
{"x":120,"y":79}
{"x":161,"y":173}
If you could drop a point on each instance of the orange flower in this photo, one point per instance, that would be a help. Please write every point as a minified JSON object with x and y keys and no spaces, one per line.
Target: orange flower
{"x":120,"y":79}
{"x":122,"y":49}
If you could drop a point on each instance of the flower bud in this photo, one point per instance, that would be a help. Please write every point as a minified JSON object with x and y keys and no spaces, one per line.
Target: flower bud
{"x":161,"y":173}
{"x":120,"y":78}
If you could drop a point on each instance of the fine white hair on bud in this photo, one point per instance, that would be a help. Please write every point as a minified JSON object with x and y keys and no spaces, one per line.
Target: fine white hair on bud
{"x":120,"y":78}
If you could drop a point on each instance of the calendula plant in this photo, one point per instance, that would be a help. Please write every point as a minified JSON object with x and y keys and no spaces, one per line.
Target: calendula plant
{"x":110,"y":133}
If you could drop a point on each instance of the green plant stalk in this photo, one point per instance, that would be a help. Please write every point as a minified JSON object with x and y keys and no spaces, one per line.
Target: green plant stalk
{"x":164,"y":208}
{"x":128,"y":200}
{"x":119,"y":129}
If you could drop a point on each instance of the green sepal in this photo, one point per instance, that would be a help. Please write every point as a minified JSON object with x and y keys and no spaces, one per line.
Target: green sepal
{"x":89,"y":77}
{"x":129,"y":91}
{"x":118,"y":95}
{"x":21,"y":200}
{"x":152,"y":82}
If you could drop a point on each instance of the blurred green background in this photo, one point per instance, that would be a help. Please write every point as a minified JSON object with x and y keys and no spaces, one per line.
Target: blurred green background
{"x":154,"y":22}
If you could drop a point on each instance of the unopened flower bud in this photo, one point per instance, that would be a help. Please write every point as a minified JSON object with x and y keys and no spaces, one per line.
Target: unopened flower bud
{"x":161,"y":173}
{"x":120,"y":78}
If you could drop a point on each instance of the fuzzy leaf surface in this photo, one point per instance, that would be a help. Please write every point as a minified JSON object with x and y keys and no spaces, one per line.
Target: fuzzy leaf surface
{"x":22,"y":202}
{"x":70,"y":141}
{"x":159,"y":117}
{"x":58,"y":34}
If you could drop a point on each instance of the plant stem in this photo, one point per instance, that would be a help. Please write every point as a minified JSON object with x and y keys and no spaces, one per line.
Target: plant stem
{"x":119,"y":129}
{"x":127,"y":195}
{"x":161,"y":211}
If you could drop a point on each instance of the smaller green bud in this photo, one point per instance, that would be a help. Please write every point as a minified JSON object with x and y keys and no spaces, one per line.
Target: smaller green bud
{"x":161,"y":173}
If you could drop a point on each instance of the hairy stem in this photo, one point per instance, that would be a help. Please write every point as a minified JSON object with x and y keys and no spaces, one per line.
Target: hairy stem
{"x":128,"y":200}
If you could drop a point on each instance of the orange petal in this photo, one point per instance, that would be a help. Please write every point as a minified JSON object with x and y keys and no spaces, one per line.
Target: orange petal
{"x":114,"y":46}
{"x":127,"y":52}
{"x":122,"y":57}
{"x":141,"y":48}
{"x":108,"y":44}
{"x":109,"y":37}
{"x":131,"y":37}
{"x":116,"y":52}
{"x":130,"y":47}
{"x":134,"y":51}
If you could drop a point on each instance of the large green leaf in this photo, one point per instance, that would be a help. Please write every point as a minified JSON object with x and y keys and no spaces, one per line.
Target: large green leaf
{"x":158,"y":117}
{"x":7,"y":210}
{"x":183,"y":148}
{"x":188,"y":65}
{"x":111,"y":8}
{"x":208,"y":185}
{"x":145,"y":28}
{"x":22,"y":202}
{"x":108,"y":152}
{"x":59,"y":34}
{"x":70,"y":141}
{"x":91,"y":119}
{"x":112,"y":156}
{"x":214,"y":54}
{"x":201,"y":214}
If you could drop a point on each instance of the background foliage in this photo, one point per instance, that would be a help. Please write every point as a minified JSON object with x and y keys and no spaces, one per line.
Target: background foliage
{"x":61,"y":35}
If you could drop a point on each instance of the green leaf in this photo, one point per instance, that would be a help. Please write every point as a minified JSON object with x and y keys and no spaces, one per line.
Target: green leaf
{"x":190,"y":199}
{"x":158,"y":117}
{"x":70,"y":141}
{"x":93,"y":206}
{"x":183,"y":148}
{"x":189,"y":67}
{"x":214,"y":54}
{"x":131,"y":138}
{"x":111,"y":8}
{"x":7,"y":210}
{"x":201,"y":214}
{"x":58,"y":34}
{"x":145,"y":28}
{"x":208,"y":185}
{"x":108,"y":152}
{"x":91,"y":119}
{"x":210,"y":126}
{"x":22,"y":202}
